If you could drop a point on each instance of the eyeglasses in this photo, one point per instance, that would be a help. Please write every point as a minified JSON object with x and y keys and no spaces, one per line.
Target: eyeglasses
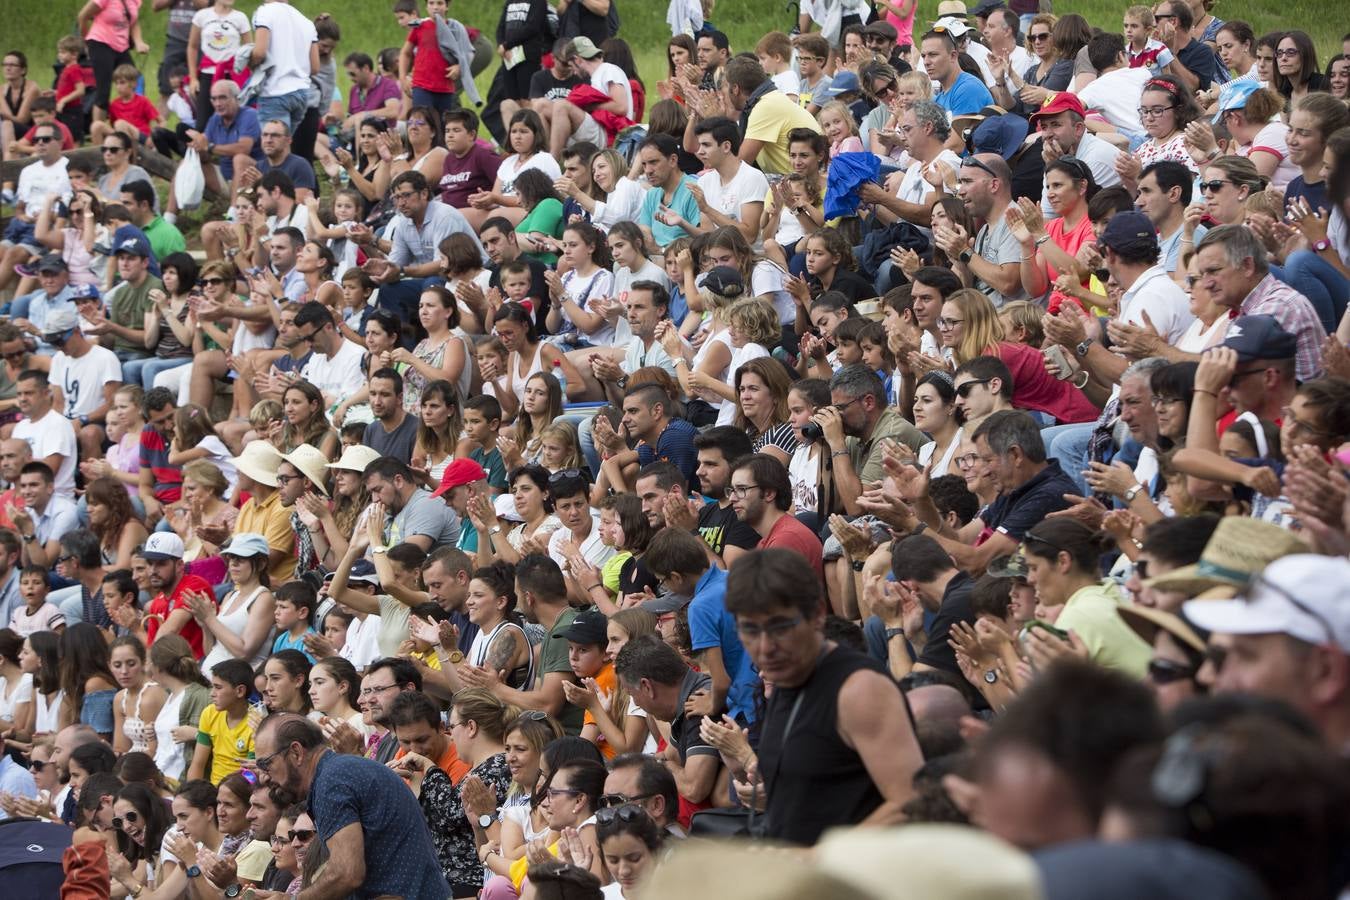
{"x":283,"y":480}
{"x":775,"y":631}
{"x":417,"y":123}
{"x":131,"y":818}
{"x":946,"y":324}
{"x":1213,"y":187}
{"x":629,"y":813}
{"x":966,"y":460}
{"x":1152,"y":112}
{"x":16,"y":355}
{"x":1157,"y":16}
{"x":963,"y":390}
{"x":885,"y":90}
{"x":302,"y":835}
{"x":1160,"y":402}
{"x":562,"y":792}
{"x":1167,"y":671}
{"x":740,"y":490}
{"x":1287,"y":53}
{"x":368,"y":691}
{"x":1029,"y":537}
{"x":1238,"y":376}
{"x":204,"y":282}
{"x":451,"y":726}
{"x":607,"y":801}
{"x":279,"y":840}
{"x":37,"y":765}
{"x":264,"y":763}
{"x":534,"y":715}
{"x":1141,"y":568}
{"x":840,"y":407}
{"x":65,"y":559}
{"x":564,"y":475}
{"x":1296,"y":426}
{"x":404,"y":195}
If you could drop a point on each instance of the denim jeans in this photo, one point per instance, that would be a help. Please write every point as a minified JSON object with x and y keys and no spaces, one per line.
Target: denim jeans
{"x":132,"y":362}
{"x":1318,"y":280}
{"x":1069,"y":445}
{"x":143,"y":371}
{"x":289,"y":108}
{"x":442,"y":103}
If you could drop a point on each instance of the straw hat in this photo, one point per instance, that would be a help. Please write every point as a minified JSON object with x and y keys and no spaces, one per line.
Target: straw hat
{"x":259,"y":462}
{"x":935,"y":860}
{"x":1239,"y":548}
{"x":312,"y":464}
{"x":355,"y":458}
{"x":1148,"y":620}
{"x":746,"y":871}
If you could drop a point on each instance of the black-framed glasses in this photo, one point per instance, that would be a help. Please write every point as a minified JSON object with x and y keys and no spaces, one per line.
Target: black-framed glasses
{"x":37,"y":765}
{"x":1287,"y":53}
{"x":1213,"y":186}
{"x":1168,"y":671}
{"x":1079,"y":168}
{"x":65,"y":559}
{"x":264,"y":763}
{"x":775,"y":630}
{"x":885,"y":90}
{"x":214,"y":279}
{"x":1141,"y":568}
{"x":563,"y":792}
{"x":963,"y":390}
{"x":1030,"y":537}
{"x":369,"y":691}
{"x":116,"y":149}
{"x":1297,"y":425}
{"x":627,"y":813}
{"x":840,"y":407}
{"x":16,"y":355}
{"x":1160,"y":16}
{"x":1160,"y":402}
{"x":1152,"y":112}
{"x":533,"y":715}
{"x":303,"y":835}
{"x":404,"y":195}
{"x":966,"y":460}
{"x":1039,"y":36}
{"x":740,"y":490}
{"x":946,"y":324}
{"x":607,"y":801}
{"x":1238,"y":376}
{"x":283,"y":480}
{"x":43,"y":138}
{"x":131,"y":818}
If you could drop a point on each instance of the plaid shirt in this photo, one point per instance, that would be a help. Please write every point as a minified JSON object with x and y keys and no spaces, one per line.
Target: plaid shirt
{"x":1296,"y":315}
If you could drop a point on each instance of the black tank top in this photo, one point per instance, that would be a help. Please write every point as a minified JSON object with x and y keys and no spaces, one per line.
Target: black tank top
{"x":814,"y":780}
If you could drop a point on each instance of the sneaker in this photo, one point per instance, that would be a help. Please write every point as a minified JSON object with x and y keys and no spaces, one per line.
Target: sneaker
{"x":8,"y":197}
{"x":27,"y":270}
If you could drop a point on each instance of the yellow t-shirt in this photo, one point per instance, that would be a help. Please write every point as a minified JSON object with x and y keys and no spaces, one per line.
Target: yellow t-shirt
{"x":229,"y":746}
{"x":770,"y":121}
{"x":273,"y":522}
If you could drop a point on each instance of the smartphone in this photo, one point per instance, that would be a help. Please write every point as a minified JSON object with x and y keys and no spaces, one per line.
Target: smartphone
{"x":1064,"y":364}
{"x":1046,"y":626}
{"x":774,"y":178}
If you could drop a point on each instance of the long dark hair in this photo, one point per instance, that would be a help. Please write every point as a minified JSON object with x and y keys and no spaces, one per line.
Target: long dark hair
{"x":84,"y":655}
{"x":109,"y":492}
{"x":157,"y":821}
{"x":435,"y":444}
{"x":379,"y":126}
{"x":47,"y":646}
{"x":534,"y":187}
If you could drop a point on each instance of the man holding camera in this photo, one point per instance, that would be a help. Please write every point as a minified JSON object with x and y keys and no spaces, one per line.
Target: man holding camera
{"x":855,"y":427}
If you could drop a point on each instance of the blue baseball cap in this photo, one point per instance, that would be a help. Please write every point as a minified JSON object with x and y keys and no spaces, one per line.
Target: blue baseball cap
{"x":1260,"y":337}
{"x":1128,"y":232}
{"x":1233,"y":95}
{"x":843,"y":83}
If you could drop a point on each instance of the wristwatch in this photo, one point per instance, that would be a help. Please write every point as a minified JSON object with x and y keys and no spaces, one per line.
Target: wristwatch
{"x":893,"y":633}
{"x":486,"y":819}
{"x":919,"y":529}
{"x":990,"y":676}
{"x":29,"y":538}
{"x":456,"y":657}
{"x":234,"y":890}
{"x":193,"y":871}
{"x":495,"y":529}
{"x":964,"y":256}
{"x":858,"y":564}
{"x":1132,"y":493}
{"x":1080,"y":350}
{"x":379,"y":549}
{"x":1320,"y":246}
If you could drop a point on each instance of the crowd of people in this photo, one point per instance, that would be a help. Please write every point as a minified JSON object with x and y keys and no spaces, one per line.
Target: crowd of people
{"x":918,"y":443}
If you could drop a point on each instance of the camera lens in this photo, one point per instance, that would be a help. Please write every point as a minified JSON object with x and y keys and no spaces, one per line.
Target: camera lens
{"x":811,"y":432}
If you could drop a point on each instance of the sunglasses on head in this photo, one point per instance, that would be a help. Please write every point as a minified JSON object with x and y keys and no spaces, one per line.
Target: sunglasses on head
{"x":628,"y":813}
{"x":564,"y":475}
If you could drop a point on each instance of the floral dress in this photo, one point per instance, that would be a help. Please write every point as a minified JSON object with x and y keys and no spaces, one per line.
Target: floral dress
{"x":451,"y":833}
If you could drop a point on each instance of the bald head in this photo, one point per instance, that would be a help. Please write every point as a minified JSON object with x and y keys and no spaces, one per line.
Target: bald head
{"x":14,"y":455}
{"x":67,"y":739}
{"x":938,"y":704}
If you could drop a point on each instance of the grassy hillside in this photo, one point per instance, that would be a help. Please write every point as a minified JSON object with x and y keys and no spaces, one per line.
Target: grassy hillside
{"x":369,"y":25}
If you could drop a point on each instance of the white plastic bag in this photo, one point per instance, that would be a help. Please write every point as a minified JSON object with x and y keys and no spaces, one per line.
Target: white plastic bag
{"x":188,"y":181}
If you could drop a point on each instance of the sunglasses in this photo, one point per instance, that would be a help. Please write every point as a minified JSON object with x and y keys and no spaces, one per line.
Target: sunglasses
{"x":303,"y":835}
{"x":131,"y":818}
{"x":37,"y":765}
{"x":1167,"y":671}
{"x":117,"y":149}
{"x":976,"y":164}
{"x":1039,"y":36}
{"x":1213,"y":187}
{"x":16,"y":355}
{"x":43,"y":139}
{"x":628,"y":813}
{"x":608,"y":801}
{"x":963,"y":391}
{"x":564,"y":475}
{"x":208,"y":281}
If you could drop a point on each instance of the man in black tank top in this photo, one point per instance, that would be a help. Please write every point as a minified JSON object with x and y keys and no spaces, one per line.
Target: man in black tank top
{"x":837,"y":745}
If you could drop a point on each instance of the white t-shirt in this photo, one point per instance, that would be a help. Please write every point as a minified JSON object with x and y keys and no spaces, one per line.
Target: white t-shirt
{"x":299,"y":219}
{"x":337,"y":376}
{"x":788,"y":82}
{"x":1166,"y":303}
{"x":290,"y":34}
{"x":913,"y":188}
{"x":511,"y":167}
{"x":39,"y":180}
{"x":606,"y":74}
{"x":81,"y":380}
{"x":221,"y":35}
{"x":1116,"y":95}
{"x":804,"y":476}
{"x":767,"y":280}
{"x":53,"y":433}
{"x":1272,"y":139}
{"x":583,"y":289}
{"x":363,"y":646}
{"x":23,"y":693}
{"x":748,"y":185}
{"x":593,"y":550}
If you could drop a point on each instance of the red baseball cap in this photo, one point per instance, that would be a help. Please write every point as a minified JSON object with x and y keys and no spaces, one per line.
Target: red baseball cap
{"x":1064,"y":101}
{"x":461,"y":471}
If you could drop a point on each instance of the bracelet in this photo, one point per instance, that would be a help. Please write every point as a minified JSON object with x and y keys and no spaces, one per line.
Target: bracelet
{"x":1086,"y":378}
{"x":593,"y":587}
{"x":1203,"y":391}
{"x":1026,"y":259}
{"x":1186,"y":241}
{"x":1042,"y":239}
{"x":835,"y":453}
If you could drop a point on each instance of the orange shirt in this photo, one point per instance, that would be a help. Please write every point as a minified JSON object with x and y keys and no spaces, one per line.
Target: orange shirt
{"x":449,"y":763}
{"x":607,"y":681}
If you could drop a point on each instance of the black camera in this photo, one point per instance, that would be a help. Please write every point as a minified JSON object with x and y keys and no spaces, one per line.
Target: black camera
{"x":812,"y":432}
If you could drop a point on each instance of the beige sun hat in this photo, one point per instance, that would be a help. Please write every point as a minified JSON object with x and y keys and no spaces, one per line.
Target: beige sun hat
{"x":758,"y":871}
{"x":355,"y":458}
{"x":935,"y":860}
{"x":259,"y":462}
{"x":312,"y":463}
{"x":1239,"y":548}
{"x":1147,"y":621}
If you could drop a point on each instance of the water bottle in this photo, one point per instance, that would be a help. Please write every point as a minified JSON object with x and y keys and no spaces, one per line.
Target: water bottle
{"x":562,"y":378}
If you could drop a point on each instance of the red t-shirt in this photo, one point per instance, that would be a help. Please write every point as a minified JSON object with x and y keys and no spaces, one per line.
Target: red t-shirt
{"x":792,"y":535}
{"x":71,"y":76}
{"x":1034,"y":388}
{"x":161,"y":606}
{"x":138,"y":111}
{"x":67,"y":139}
{"x":428,"y":71}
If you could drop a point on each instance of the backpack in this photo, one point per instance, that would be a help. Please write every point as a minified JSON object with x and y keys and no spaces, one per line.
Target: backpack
{"x":628,"y":140}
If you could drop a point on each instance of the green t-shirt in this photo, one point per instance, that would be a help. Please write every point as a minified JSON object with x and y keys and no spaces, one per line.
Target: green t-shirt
{"x":164,"y":237}
{"x":553,"y":658}
{"x":545,"y":218}
{"x":129,"y":306}
{"x":1092,"y":614}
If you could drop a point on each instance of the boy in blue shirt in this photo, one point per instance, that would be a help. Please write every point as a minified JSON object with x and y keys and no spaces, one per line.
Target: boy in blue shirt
{"x":293,"y":614}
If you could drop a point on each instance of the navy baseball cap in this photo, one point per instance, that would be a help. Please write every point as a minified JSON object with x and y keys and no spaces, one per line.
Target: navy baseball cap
{"x":1129,"y":232}
{"x":1260,"y":337}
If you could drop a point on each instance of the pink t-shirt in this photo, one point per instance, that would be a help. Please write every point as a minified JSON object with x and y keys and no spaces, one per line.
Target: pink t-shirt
{"x":904,"y":28}
{"x":126,"y":457}
{"x":1070,"y":242}
{"x":111,"y":25}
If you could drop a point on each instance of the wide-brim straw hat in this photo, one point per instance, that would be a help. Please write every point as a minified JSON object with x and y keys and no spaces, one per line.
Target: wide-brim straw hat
{"x":1239,"y":549}
{"x":312,"y":463}
{"x":259,"y":462}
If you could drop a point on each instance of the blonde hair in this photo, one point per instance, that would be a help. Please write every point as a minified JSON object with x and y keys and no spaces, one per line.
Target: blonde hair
{"x":757,"y":320}
{"x":1025,"y":315}
{"x":1269,"y":203}
{"x":775,"y":43}
{"x":839,"y":108}
{"x":1143,"y":13}
{"x":566,"y":433}
{"x":208,"y":475}
{"x":264,"y":411}
{"x":126,"y":72}
{"x":982,"y":329}
{"x":918,"y":82}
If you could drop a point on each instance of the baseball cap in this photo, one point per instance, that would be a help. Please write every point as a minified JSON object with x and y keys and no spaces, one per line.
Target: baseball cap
{"x":59,"y":321}
{"x":461,"y":471}
{"x":1129,"y":232}
{"x":246,"y":544}
{"x":1260,"y":337}
{"x":134,"y":244}
{"x":163,"y":545}
{"x":726,"y":281}
{"x":50,"y":262}
{"x":950,"y":23}
{"x":844,"y":82}
{"x":1302,"y":595}
{"x":363,"y":572}
{"x":1233,"y":95}
{"x":84,"y":292}
{"x":589,"y":627}
{"x":1011,"y":566}
{"x":585,"y":48}
{"x":1064,"y":101}
{"x":665,"y":602}
{"x":984,"y":9}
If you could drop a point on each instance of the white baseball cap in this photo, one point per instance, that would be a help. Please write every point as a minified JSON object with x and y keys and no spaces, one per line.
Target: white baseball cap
{"x":1306,"y":596}
{"x":163,"y":545}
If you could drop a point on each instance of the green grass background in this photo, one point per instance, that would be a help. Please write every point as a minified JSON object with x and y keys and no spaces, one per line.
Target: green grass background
{"x":368,"y":25}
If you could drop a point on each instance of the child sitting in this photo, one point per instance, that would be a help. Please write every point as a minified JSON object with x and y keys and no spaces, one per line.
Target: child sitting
{"x":129,"y":112}
{"x":36,"y":614}
{"x":224,"y":735}
{"x":293,"y":613}
{"x":775,"y":57}
{"x":877,"y":356}
{"x":837,"y":123}
{"x":347,"y":204}
{"x":482,"y":421}
{"x":792,"y":211}
{"x":492,"y":356}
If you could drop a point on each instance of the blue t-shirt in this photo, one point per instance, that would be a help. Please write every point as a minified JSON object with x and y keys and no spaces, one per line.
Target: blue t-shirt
{"x":674,"y":445}
{"x":1315,"y":194}
{"x":682,"y":202}
{"x":710,"y":625}
{"x":400,"y":858}
{"x":301,"y":172}
{"x":679,"y":307}
{"x":967,"y":95}
{"x":285,"y":642}
{"x":244,"y":125}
